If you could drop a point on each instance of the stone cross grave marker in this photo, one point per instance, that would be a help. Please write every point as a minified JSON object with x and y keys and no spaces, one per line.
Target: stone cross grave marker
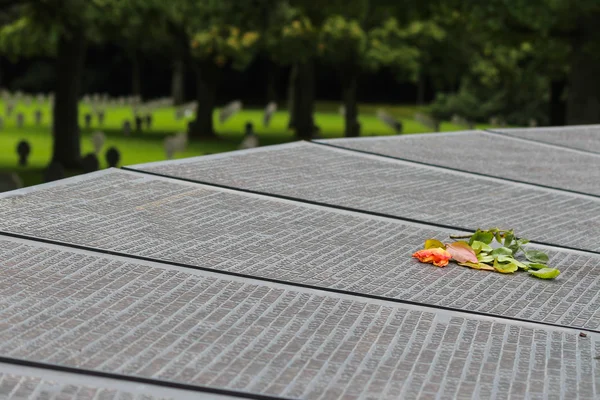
{"x":269,"y":111}
{"x":112,"y":157}
{"x":23,"y":150}
{"x":229,"y":111}
{"x":98,"y":138}
{"x":389,"y":121}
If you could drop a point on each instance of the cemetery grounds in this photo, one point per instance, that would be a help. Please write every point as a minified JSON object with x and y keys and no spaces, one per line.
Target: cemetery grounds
{"x":148,"y":145}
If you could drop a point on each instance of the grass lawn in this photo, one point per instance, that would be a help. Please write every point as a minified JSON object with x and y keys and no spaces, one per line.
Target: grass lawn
{"x":148,"y":146}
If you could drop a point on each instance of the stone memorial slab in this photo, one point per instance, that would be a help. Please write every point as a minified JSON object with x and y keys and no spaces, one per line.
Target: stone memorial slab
{"x":9,"y":108}
{"x":110,"y":314}
{"x":19,"y":382}
{"x":491,"y":154}
{"x":301,"y":244}
{"x":344,"y":178}
{"x":583,"y":137}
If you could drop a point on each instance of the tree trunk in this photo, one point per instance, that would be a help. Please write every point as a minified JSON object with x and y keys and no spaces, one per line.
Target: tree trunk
{"x":65,"y":128}
{"x":136,"y":74}
{"x":291,"y":94}
{"x":583,"y":101}
{"x":272,"y":77}
{"x":557,"y":110}
{"x":207,"y":76}
{"x":349,"y":99}
{"x":421,"y":86}
{"x":178,"y":82}
{"x":304,"y":100}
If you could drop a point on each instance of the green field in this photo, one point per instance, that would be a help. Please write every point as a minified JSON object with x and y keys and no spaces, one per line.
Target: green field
{"x":148,"y":146}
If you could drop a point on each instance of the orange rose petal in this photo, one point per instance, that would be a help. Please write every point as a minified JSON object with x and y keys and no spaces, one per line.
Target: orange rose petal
{"x":439,"y":257}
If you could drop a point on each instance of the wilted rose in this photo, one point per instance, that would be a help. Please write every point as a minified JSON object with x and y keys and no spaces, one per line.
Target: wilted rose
{"x":437,"y":256}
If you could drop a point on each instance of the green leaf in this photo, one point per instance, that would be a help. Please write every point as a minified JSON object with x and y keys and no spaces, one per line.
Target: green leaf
{"x":498,"y":236}
{"x":508,"y":239}
{"x":521,"y":265}
{"x":461,"y":252}
{"x":536,"y":256}
{"x":482,"y":236}
{"x":502,"y":251}
{"x":502,"y":258}
{"x":485,"y":258}
{"x":546,"y":273}
{"x":480,"y":266}
{"x":481,"y":247}
{"x":537,"y":265}
{"x":433,"y":243}
{"x":505,"y":268}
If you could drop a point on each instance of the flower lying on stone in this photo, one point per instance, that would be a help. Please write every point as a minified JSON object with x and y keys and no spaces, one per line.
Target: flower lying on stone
{"x":478,"y":253}
{"x":437,"y":256}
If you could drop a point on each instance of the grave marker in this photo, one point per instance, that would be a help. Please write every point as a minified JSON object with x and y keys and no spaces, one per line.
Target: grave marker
{"x":90,"y":163}
{"x":38,"y":117}
{"x":10,"y":181}
{"x":88,"y":120}
{"x":389,"y":121}
{"x":100,"y":114}
{"x":270,"y":109}
{"x":20,"y":120}
{"x":139,"y":122}
{"x":23,"y":150}
{"x":53,"y":172}
{"x":112,"y":157}
{"x":229,"y":111}
{"x":250,"y":140}
{"x":428,"y":121}
{"x":98,"y":139}
{"x":148,"y":121}
{"x":126,"y":128}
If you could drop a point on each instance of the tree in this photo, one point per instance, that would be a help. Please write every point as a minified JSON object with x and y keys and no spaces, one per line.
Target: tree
{"x":290,"y":39}
{"x":354,"y":48}
{"x":63,"y":29}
